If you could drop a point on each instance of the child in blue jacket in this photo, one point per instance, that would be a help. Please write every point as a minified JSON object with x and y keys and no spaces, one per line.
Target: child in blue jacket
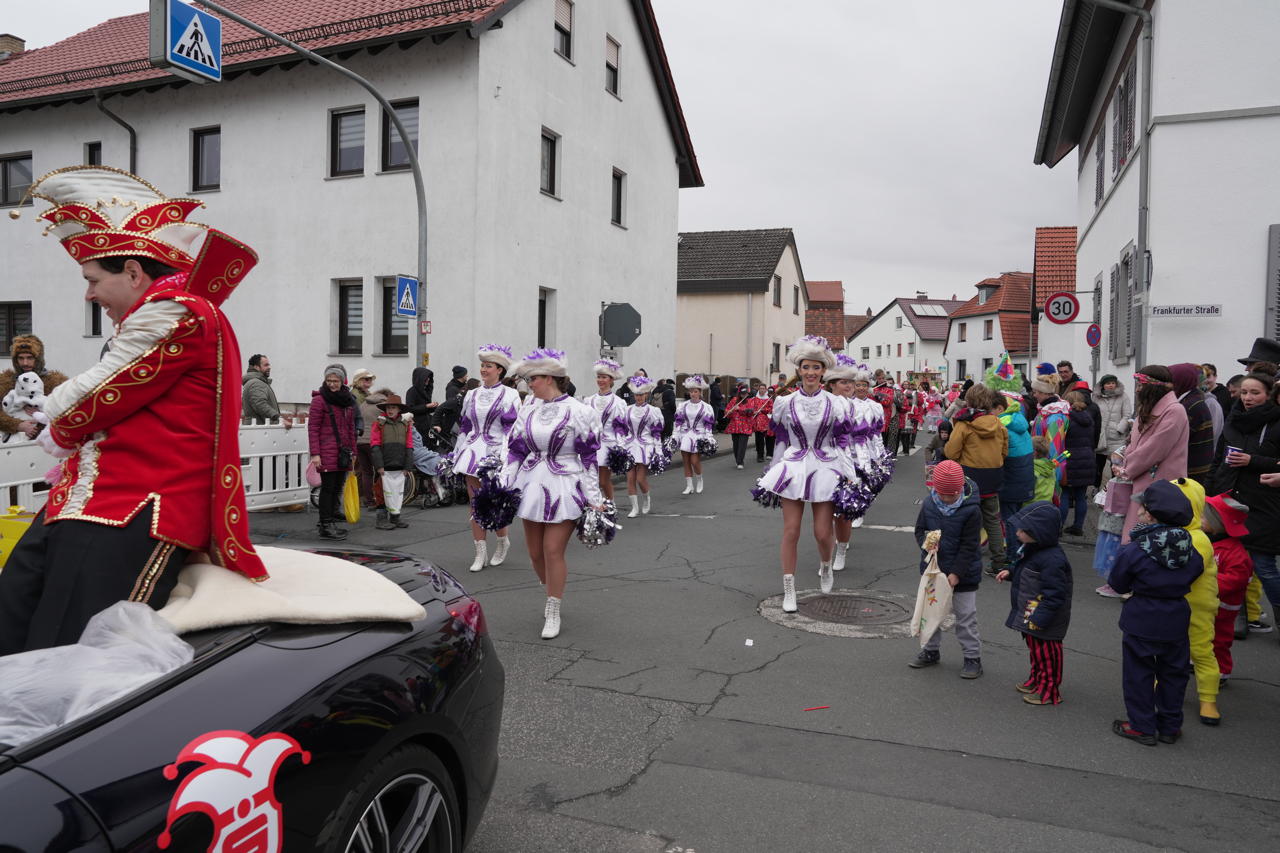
{"x":1158,"y":566}
{"x":953,"y":507}
{"x":1040,"y":599}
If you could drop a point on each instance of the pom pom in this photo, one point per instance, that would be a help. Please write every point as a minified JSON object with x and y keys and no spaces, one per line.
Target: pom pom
{"x":598,"y":527}
{"x":619,"y":460}
{"x":488,"y":468}
{"x":494,"y":506}
{"x":707,"y":447}
{"x":444,"y":467}
{"x":660,"y":462}
{"x":850,"y":500}
{"x":765,"y":498}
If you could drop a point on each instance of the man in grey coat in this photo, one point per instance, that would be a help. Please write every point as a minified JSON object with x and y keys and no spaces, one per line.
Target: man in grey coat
{"x":257,"y":398}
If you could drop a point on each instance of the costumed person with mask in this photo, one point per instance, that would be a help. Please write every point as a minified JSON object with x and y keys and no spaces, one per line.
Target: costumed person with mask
{"x":811,"y":427}
{"x":487,"y":415}
{"x":27,"y":352}
{"x":1203,"y":599}
{"x":612,"y":412}
{"x":1052,"y":416}
{"x":149,"y":434}
{"x":694,"y":432}
{"x":552,"y":459}
{"x":641,"y":435}
{"x":1019,"y":481}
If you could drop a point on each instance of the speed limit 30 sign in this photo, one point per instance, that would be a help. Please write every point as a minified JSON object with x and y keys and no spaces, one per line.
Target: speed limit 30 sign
{"x":1061,"y":308}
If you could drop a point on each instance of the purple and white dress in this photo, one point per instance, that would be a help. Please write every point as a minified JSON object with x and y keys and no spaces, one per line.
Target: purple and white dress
{"x":487,"y":416}
{"x":694,"y":421}
{"x":640,"y":433}
{"x":612,"y":410}
{"x":809,"y":457}
{"x":866,"y":440}
{"x":551,"y":458}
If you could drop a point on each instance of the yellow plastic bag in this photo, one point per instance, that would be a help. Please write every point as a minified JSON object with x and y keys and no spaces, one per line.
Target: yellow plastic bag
{"x":351,"y":500}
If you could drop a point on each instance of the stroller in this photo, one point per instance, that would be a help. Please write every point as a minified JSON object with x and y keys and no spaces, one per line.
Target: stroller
{"x":426,"y":461}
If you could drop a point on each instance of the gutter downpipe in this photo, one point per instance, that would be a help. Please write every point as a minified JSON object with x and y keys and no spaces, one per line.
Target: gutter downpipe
{"x":1144,"y":172}
{"x":133,"y":134}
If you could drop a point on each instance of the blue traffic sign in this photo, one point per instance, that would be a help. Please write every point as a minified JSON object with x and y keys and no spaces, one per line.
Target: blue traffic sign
{"x":406,"y":296}
{"x":193,"y":40}
{"x":1093,"y":335}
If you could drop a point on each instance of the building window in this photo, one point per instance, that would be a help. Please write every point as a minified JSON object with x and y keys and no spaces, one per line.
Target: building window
{"x":550,"y":163}
{"x":777,"y":290}
{"x":899,"y":350}
{"x":1100,"y":164}
{"x":988,"y":329}
{"x":346,"y":142}
{"x":1122,"y":119}
{"x":795,"y":300}
{"x":897,"y":322}
{"x":564,"y":28}
{"x":775,"y":363}
{"x":546,"y":317}
{"x":911,"y":348}
{"x":962,"y":369}
{"x":612,"y":51}
{"x":350,"y":316}
{"x":878,"y":351}
{"x":618,"y":203}
{"x":962,"y":334}
{"x":866,"y":353}
{"x":15,"y":177}
{"x":986,"y":365}
{"x":395,"y":156}
{"x":395,"y":327}
{"x":206,"y":158}
{"x":93,"y":320}
{"x":15,"y":319}
{"x":93,"y":153}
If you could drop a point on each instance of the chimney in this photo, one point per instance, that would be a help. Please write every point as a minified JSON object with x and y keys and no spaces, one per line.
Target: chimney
{"x":920,"y":294}
{"x":10,"y":46}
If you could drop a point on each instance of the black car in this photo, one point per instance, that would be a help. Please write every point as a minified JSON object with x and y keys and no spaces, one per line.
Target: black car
{"x":360,"y":737}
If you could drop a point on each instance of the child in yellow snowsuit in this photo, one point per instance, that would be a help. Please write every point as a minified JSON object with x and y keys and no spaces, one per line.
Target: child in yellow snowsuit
{"x":1203,"y":599}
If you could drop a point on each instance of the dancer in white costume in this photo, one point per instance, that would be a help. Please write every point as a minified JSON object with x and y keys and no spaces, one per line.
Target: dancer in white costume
{"x":487,"y":415}
{"x":695,"y":421}
{"x":551,"y":459}
{"x":808,"y":462}
{"x":864,"y":444}
{"x":612,"y":410}
{"x":641,"y":435}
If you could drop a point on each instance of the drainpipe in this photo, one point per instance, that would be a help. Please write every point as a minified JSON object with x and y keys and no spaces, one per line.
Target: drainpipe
{"x":1144,"y":173}
{"x":133,"y":134}
{"x":749,"y":295}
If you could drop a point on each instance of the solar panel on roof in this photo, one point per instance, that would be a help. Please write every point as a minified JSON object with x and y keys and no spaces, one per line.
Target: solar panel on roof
{"x":928,"y":311}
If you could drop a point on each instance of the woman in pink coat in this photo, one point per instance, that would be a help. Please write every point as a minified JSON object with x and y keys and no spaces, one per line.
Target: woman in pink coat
{"x":1158,"y":443}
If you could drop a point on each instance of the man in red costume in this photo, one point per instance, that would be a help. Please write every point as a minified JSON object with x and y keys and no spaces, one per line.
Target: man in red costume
{"x":149,"y":435}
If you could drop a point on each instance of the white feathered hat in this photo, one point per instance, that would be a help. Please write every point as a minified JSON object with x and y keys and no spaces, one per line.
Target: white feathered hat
{"x":640,"y":384}
{"x":542,"y":362}
{"x":813,"y":348}
{"x":696,"y":381}
{"x":608,"y":367}
{"x":845,"y":368}
{"x":496,"y":354}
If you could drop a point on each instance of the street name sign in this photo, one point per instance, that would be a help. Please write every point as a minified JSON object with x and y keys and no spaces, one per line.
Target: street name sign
{"x":186,"y":41}
{"x":1186,"y":310}
{"x":406,"y":296}
{"x":1061,"y":308}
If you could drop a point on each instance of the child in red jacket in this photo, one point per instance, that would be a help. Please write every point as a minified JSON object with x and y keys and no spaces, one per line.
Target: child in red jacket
{"x":1224,"y":524}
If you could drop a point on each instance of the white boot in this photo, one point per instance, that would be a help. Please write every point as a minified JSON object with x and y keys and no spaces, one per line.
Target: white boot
{"x":645,"y":507}
{"x":789,"y":593}
{"x":826,"y":580}
{"x":500,"y":552}
{"x":697,"y":483}
{"x":837,"y":561}
{"x":440,"y":492}
{"x":635,"y":506}
{"x":688,"y":486}
{"x":857,"y":522}
{"x":482,"y":551}
{"x":551,"y":628}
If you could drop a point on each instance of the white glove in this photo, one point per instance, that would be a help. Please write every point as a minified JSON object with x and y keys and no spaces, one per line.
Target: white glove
{"x":45,"y":438}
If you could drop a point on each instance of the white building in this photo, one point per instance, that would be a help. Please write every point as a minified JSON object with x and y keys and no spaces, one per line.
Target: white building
{"x":553,"y":149}
{"x":996,"y":320}
{"x":906,"y":339}
{"x":1195,"y":110}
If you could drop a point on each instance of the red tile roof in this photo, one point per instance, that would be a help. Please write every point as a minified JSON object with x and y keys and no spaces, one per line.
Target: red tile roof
{"x":853,"y":324}
{"x":826,"y":291}
{"x":1055,"y":267}
{"x":1012,"y":301}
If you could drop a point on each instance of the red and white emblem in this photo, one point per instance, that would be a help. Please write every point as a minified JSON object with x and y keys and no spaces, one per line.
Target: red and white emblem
{"x":235,"y":788}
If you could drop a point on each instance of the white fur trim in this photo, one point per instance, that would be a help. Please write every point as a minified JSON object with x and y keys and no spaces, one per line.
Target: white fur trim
{"x":495,"y":356}
{"x":808,"y":348}
{"x":539,"y":367}
{"x":614,"y":373}
{"x":700,"y":384}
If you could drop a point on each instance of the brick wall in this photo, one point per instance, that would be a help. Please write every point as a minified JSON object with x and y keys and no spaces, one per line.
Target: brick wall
{"x":826,"y":319}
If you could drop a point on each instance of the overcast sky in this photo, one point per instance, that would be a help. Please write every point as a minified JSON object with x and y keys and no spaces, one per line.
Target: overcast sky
{"x":895,"y":137}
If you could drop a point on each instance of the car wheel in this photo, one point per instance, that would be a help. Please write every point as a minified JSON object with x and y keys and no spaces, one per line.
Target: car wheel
{"x":405,"y":803}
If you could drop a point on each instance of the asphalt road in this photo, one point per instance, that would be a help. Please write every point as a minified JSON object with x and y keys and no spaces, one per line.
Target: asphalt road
{"x":669,"y":715}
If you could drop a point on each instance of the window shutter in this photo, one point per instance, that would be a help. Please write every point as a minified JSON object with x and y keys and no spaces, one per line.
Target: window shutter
{"x":1272,"y":308}
{"x":564,"y":15}
{"x":1130,"y":101}
{"x":1113,"y":324}
{"x":1100,"y":159}
{"x":611,"y":50}
{"x":1126,"y":306}
{"x":1116,"y":135}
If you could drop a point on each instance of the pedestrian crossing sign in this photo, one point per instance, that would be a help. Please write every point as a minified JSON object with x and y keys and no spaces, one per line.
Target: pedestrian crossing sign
{"x":406,"y":296}
{"x":186,"y":40}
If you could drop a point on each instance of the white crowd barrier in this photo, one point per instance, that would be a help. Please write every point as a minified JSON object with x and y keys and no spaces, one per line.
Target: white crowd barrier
{"x":273,"y":461}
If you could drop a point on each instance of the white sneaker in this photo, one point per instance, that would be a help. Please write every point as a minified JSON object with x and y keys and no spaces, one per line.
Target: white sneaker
{"x":857,"y":522}
{"x":688,"y":486}
{"x":837,"y":559}
{"x":826,"y":580}
{"x":697,"y":483}
{"x":739,"y":467}
{"x":645,"y":507}
{"x":551,"y":628}
{"x":788,"y":593}
{"x":482,"y":551}
{"x":500,"y":552}
{"x":635,"y":506}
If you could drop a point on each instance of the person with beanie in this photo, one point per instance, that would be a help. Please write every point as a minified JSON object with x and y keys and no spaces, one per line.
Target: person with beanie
{"x":1115,"y":418}
{"x":331,"y":435}
{"x":457,"y":385}
{"x":952,"y":506}
{"x":1200,"y":446}
{"x":1224,"y":524}
{"x":1052,"y":418}
{"x":1158,"y":566}
{"x":1203,"y":600}
{"x":980,"y":443}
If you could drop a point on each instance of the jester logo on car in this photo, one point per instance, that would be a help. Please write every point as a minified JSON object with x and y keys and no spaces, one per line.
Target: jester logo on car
{"x":235,"y":788}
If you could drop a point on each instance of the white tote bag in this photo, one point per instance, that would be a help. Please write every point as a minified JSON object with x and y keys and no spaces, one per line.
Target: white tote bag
{"x":933,"y":597}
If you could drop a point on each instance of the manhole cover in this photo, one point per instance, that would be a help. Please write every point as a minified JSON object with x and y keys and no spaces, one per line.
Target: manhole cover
{"x":854,"y":610}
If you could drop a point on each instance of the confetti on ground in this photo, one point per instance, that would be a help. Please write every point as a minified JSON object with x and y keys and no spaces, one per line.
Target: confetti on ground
{"x":818,"y":708}
{"x":751,"y":642}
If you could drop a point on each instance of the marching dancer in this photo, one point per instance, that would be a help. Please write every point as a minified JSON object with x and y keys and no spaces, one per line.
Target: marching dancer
{"x":852,"y":381}
{"x":487,"y":415}
{"x":808,"y":463}
{"x":613,"y":412}
{"x":695,"y":424}
{"x":642,"y":437}
{"x":551,"y":458}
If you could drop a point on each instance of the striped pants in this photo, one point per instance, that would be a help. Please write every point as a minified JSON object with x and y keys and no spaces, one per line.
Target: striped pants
{"x":1046,"y":668}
